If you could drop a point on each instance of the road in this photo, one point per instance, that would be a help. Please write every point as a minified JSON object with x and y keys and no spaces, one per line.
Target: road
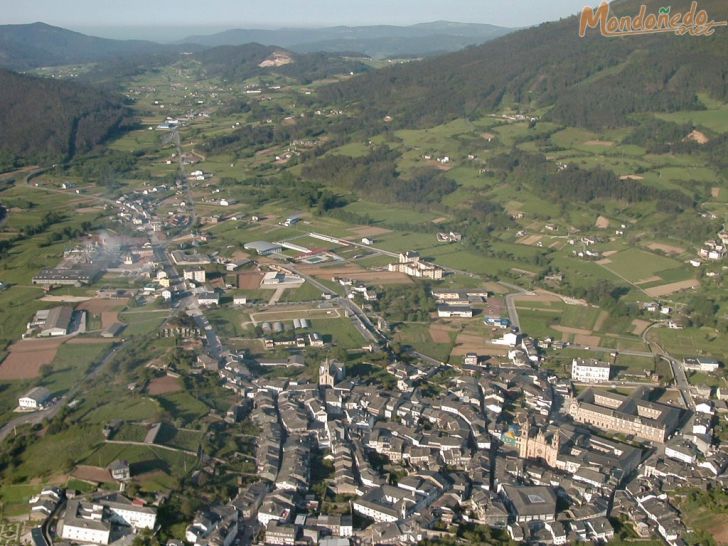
{"x":678,"y":372}
{"x":189,"y":202}
{"x":358,"y":317}
{"x":511,"y":303}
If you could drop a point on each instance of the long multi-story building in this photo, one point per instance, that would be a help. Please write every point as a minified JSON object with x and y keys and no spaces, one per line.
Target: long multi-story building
{"x":589,"y":371}
{"x":633,"y":415}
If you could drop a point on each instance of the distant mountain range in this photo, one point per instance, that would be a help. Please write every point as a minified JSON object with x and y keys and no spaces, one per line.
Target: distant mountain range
{"x":23,"y":47}
{"x":375,"y":41}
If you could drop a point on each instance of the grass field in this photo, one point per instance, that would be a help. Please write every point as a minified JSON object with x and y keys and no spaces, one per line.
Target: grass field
{"x":418,"y":336}
{"x":183,"y":406}
{"x":636,"y":265}
{"x":693,"y":342}
{"x":71,"y":364}
{"x":341,"y":332}
{"x":140,"y":323}
{"x":159,"y":465}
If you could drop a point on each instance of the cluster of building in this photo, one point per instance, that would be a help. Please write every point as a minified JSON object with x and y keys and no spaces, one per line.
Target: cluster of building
{"x":715,"y":249}
{"x":97,"y":518}
{"x":410,"y":264}
{"x":54,"y":322}
{"x":514,"y":448}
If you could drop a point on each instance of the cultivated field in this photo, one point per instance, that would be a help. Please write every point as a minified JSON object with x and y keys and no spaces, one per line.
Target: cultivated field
{"x":671,"y":288}
{"x":27,"y":357}
{"x":164,"y":385}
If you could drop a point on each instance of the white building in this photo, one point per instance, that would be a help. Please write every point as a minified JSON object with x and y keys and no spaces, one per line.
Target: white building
{"x":92,"y":520}
{"x":34,"y":399}
{"x":509,"y":338}
{"x":197,"y":275}
{"x":454,"y":311}
{"x":589,"y":371}
{"x":208,"y":298}
{"x":701,"y":364}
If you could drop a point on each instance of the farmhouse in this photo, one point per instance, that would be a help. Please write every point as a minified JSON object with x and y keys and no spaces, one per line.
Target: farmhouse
{"x":34,"y":399}
{"x":119,"y":470}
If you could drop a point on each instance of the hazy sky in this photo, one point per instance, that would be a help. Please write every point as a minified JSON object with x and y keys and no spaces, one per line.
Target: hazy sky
{"x":258,"y":13}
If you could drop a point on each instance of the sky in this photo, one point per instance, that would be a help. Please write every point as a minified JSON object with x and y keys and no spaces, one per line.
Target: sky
{"x":111,"y":17}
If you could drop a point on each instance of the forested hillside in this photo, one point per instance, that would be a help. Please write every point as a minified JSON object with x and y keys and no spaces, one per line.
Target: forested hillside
{"x":594,"y":82}
{"x":45,"y":119}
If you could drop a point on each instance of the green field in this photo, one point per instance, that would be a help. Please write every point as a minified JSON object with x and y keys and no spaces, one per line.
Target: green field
{"x":693,"y":342}
{"x":636,"y":265}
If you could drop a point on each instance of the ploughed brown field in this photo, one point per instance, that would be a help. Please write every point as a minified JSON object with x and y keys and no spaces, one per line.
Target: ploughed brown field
{"x":164,"y":385}
{"x":27,"y":357}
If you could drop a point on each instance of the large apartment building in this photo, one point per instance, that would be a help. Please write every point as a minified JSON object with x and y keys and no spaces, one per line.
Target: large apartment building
{"x":589,"y":371}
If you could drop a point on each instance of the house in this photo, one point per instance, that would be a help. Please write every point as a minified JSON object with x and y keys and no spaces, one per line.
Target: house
{"x":216,"y":525}
{"x":197,"y":275}
{"x":119,"y":470}
{"x":280,"y":533}
{"x":589,"y":371}
{"x":509,"y":339}
{"x":240,"y":300}
{"x":208,"y":298}
{"x":470,"y":359}
{"x":35,"y":399}
{"x":367,"y":241}
{"x":498,"y":322}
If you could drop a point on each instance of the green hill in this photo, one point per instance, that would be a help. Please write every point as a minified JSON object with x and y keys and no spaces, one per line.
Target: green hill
{"x":592,"y":82}
{"x":49,"y":119}
{"x":29,"y":46}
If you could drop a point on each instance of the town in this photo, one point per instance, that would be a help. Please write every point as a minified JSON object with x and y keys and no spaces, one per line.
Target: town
{"x":261,"y":295}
